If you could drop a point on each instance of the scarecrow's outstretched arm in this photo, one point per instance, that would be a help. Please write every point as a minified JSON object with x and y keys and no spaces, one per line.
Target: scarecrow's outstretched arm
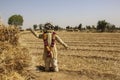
{"x":34,"y":33}
{"x":61,"y":41}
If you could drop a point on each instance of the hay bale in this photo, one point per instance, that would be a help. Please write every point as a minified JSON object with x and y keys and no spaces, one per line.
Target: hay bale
{"x":14,"y":58}
{"x":9,"y":34}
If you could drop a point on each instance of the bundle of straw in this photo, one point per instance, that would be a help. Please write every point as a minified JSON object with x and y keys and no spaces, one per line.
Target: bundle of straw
{"x":9,"y":34}
{"x":14,"y":59}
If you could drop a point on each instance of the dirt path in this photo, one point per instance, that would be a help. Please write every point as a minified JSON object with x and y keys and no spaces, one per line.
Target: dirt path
{"x":81,"y":63}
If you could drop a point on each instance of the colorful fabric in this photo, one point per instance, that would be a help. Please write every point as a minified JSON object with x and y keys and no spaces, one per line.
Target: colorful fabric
{"x":49,"y":48}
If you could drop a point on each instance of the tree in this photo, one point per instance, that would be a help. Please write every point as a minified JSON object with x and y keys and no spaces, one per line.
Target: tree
{"x":56,"y":28}
{"x":88,"y":27}
{"x":68,"y":27}
{"x":80,"y":27}
{"x":41,"y":26}
{"x":16,"y":20}
{"x":101,"y":25}
{"x":110,"y":27}
{"x":35,"y":26}
{"x":93,"y":27}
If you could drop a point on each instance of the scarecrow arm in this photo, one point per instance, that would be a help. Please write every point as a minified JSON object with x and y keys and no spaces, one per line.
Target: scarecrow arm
{"x":61,"y":41}
{"x":34,"y":33}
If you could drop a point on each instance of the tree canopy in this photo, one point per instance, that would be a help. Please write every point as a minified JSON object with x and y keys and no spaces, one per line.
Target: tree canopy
{"x":35,"y":26}
{"x":105,"y":26}
{"x":101,"y":25}
{"x":16,"y":20}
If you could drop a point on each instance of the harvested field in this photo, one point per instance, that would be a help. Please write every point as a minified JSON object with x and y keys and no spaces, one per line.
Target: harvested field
{"x":92,"y":56}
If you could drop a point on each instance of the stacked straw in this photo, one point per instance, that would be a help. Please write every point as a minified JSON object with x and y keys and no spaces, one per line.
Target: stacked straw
{"x":9,"y":34}
{"x":13,"y":58}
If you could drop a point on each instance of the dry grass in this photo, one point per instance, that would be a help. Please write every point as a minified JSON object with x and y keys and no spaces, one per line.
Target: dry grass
{"x":13,"y":58}
{"x":9,"y":34}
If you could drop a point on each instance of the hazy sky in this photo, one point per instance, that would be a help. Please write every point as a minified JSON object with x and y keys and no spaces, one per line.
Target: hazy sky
{"x":62,"y":12}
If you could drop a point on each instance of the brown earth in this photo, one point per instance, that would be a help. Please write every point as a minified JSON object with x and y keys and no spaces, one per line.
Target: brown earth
{"x":92,"y":56}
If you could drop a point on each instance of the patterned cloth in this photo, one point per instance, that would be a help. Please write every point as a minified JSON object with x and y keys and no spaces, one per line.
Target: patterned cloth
{"x":51,"y":43}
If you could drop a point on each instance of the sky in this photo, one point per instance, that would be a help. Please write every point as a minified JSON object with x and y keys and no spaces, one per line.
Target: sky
{"x":62,"y":12}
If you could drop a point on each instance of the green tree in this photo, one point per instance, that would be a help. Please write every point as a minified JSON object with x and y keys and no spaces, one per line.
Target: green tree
{"x":35,"y":26}
{"x":93,"y":27}
{"x":88,"y":27}
{"x":41,"y":26}
{"x":101,"y":25}
{"x":68,"y":27}
{"x":80,"y":27}
{"x":16,"y":20}
{"x":56,"y":28}
{"x":110,"y":27}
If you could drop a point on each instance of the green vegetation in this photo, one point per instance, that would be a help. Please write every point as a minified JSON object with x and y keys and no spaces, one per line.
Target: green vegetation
{"x":16,"y":20}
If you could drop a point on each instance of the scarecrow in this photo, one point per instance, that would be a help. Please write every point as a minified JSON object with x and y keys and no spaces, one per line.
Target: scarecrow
{"x":50,"y":51}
